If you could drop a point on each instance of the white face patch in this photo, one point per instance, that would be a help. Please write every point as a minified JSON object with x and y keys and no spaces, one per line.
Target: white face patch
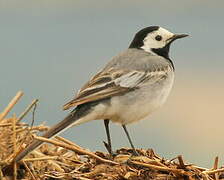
{"x":151,"y":42}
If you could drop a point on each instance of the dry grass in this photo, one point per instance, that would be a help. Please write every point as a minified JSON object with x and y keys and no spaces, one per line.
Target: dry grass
{"x":63,"y":159}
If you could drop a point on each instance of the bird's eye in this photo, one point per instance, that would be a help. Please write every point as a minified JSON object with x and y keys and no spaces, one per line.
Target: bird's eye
{"x":158,"y":38}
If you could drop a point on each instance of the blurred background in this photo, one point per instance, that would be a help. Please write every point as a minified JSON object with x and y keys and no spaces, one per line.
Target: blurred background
{"x":49,"y":49}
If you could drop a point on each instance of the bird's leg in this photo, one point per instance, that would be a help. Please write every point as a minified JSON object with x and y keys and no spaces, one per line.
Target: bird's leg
{"x":108,"y":144}
{"x":129,"y":139}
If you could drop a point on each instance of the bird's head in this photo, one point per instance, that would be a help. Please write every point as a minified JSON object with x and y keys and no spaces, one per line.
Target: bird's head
{"x":155,"y":39}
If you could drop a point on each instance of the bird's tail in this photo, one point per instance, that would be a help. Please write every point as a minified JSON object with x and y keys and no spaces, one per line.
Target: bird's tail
{"x":70,"y":120}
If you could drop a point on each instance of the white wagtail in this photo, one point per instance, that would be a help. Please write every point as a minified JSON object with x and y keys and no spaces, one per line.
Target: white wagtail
{"x":130,"y":87}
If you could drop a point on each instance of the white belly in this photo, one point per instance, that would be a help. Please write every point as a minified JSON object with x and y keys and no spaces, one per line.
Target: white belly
{"x":140,"y":103}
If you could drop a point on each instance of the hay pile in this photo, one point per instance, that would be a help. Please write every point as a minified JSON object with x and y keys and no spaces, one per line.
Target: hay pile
{"x":62,"y":159}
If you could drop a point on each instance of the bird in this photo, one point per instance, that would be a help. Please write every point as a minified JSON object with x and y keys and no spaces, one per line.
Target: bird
{"x":130,"y":87}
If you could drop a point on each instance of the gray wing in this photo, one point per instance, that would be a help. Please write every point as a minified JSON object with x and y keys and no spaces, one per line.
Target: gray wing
{"x":120,"y":77}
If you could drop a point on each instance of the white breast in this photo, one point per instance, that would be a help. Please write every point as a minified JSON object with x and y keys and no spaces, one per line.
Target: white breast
{"x":140,"y":103}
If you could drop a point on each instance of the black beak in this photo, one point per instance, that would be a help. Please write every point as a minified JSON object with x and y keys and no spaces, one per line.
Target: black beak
{"x":177,"y":36}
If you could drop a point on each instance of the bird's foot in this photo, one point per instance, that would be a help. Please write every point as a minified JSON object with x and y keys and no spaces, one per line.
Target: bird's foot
{"x":135,"y":153}
{"x":109,"y":149}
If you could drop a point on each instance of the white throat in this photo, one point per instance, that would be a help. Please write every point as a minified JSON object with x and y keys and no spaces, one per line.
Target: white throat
{"x":148,"y":49}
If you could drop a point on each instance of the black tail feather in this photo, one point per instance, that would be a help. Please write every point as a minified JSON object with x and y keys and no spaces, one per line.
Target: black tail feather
{"x":79,"y":112}
{"x":67,"y":122}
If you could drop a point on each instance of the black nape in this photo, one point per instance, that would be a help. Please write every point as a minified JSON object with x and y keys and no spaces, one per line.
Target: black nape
{"x":137,"y":42}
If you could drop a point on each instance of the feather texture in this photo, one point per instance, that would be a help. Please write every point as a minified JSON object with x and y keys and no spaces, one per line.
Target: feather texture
{"x":115,"y":81}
